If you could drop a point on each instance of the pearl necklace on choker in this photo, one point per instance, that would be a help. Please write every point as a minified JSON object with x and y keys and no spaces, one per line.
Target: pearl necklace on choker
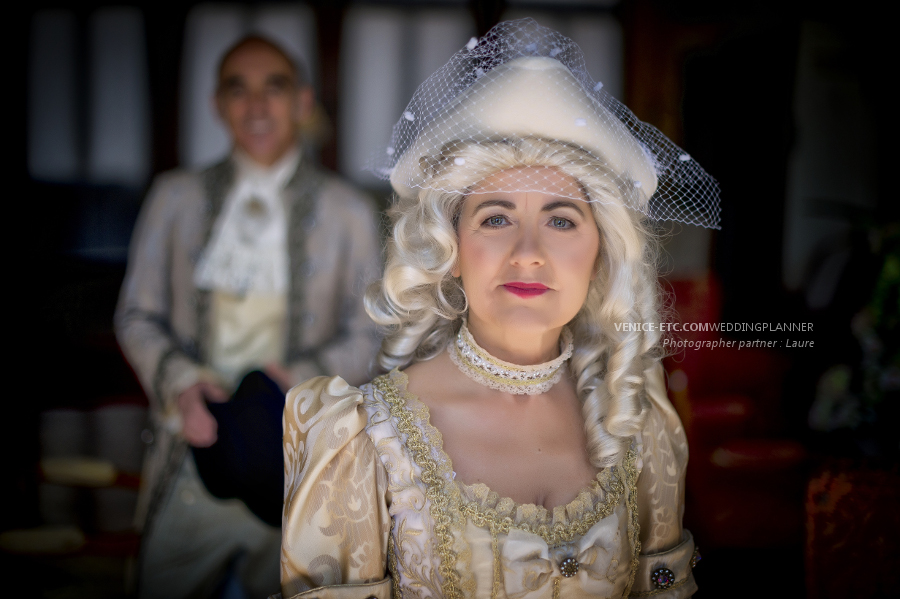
{"x":483,"y":368}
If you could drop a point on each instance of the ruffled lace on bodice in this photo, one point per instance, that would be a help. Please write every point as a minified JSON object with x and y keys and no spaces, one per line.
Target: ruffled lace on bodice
{"x":485,"y":545}
{"x":368,"y":486}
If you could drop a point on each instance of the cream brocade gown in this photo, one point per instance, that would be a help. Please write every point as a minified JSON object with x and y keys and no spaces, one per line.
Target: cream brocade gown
{"x":372,"y":509}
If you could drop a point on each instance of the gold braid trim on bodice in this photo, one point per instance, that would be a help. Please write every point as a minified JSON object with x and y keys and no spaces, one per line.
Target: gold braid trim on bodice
{"x":438,"y":497}
{"x":449,"y":509}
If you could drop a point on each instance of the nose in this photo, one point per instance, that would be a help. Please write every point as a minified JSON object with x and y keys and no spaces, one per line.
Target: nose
{"x":259,"y":105}
{"x":528,"y":248}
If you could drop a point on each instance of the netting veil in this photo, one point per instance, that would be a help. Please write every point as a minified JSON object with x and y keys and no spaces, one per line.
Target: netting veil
{"x":522,"y":81}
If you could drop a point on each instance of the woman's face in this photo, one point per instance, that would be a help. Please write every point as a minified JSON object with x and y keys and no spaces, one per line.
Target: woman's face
{"x":526,"y":258}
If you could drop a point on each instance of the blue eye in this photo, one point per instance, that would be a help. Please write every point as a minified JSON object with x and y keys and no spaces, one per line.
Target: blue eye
{"x":495,"y":221}
{"x":558,"y":222}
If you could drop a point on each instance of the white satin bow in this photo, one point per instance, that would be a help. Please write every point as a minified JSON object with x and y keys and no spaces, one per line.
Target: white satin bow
{"x":529,"y":563}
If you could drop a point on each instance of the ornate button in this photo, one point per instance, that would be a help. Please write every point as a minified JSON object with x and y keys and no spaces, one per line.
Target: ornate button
{"x":569,"y":567}
{"x":662,"y":578}
{"x":696,"y":557}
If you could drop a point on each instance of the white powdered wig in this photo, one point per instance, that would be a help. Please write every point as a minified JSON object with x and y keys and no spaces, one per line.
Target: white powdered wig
{"x":421,"y":304}
{"x":521,"y":96}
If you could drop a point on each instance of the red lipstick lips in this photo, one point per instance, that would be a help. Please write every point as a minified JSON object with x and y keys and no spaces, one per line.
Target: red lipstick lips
{"x":526,"y":289}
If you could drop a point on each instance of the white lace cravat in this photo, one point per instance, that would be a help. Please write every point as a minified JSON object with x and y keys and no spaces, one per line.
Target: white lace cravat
{"x":247,"y":251}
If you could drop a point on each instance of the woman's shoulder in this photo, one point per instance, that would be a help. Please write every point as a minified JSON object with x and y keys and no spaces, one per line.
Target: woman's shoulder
{"x":384,"y":396}
{"x":324,"y":423}
{"x":322,"y":400}
{"x":386,"y":386}
{"x":322,"y":392}
{"x":330,"y":461}
{"x":329,"y":398}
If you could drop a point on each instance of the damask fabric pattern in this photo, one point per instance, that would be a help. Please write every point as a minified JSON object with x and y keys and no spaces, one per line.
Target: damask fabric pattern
{"x":336,"y":522}
{"x":369,"y":490}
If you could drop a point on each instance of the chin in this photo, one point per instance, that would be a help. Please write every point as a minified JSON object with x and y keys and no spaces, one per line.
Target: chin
{"x":260,"y":146}
{"x":264,"y":155}
{"x":528,"y":321}
{"x":270,"y":150}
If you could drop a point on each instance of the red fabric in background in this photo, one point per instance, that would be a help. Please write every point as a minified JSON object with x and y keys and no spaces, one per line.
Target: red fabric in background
{"x":852,"y":532}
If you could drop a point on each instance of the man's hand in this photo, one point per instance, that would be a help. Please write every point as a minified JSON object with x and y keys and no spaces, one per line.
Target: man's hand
{"x":199,"y":427}
{"x":281,"y":375}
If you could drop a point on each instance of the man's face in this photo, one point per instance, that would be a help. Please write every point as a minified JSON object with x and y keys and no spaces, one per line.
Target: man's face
{"x":261,"y":102}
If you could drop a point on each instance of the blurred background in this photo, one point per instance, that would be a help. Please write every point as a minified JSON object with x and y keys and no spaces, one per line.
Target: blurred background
{"x":793,"y":482}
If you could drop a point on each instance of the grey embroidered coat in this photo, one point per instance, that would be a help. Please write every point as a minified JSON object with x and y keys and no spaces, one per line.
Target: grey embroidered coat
{"x":162,"y":319}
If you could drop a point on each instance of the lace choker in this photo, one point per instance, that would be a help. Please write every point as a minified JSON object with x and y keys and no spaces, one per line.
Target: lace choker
{"x":480,"y":366}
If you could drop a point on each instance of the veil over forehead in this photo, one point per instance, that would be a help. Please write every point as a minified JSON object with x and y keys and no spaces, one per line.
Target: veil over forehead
{"x":522,"y":80}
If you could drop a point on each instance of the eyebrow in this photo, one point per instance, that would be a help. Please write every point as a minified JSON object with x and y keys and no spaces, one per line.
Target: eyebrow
{"x":237,"y":81}
{"x":562,"y":204}
{"x":232,"y":81}
{"x":279,"y":79}
{"x":547,"y":208}
{"x":491,"y":203}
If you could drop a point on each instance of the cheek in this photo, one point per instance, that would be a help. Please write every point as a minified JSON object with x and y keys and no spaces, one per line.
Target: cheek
{"x":594,"y":264}
{"x":233,"y":112}
{"x":476,"y":254}
{"x":583,"y":266}
{"x":465,"y":257}
{"x":582,"y":258}
{"x":284,"y":110}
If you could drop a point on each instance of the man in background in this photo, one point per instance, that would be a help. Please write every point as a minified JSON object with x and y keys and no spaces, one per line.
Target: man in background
{"x":258,"y":263}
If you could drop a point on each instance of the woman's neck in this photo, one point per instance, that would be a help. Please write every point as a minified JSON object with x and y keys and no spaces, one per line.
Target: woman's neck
{"x":523,"y":346}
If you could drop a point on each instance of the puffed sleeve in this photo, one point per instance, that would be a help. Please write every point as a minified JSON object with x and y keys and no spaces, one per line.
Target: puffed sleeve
{"x":666,"y":548}
{"x":336,"y":523}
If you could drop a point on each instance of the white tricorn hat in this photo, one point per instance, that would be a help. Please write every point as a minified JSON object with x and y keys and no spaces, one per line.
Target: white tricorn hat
{"x":531,"y":96}
{"x":522,"y":81}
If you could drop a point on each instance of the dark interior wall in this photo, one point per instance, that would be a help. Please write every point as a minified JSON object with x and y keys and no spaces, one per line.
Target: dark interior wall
{"x":717,"y":77}
{"x":738,"y":114}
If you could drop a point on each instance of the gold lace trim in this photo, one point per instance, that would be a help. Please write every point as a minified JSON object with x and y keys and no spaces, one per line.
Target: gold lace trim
{"x":613,"y":481}
{"x":439,"y":499}
{"x":654,"y":592}
{"x":498,"y":571}
{"x":392,"y":566}
{"x":558,"y":533}
{"x":447,"y":501}
{"x":634,"y":526}
{"x":536,"y":515}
